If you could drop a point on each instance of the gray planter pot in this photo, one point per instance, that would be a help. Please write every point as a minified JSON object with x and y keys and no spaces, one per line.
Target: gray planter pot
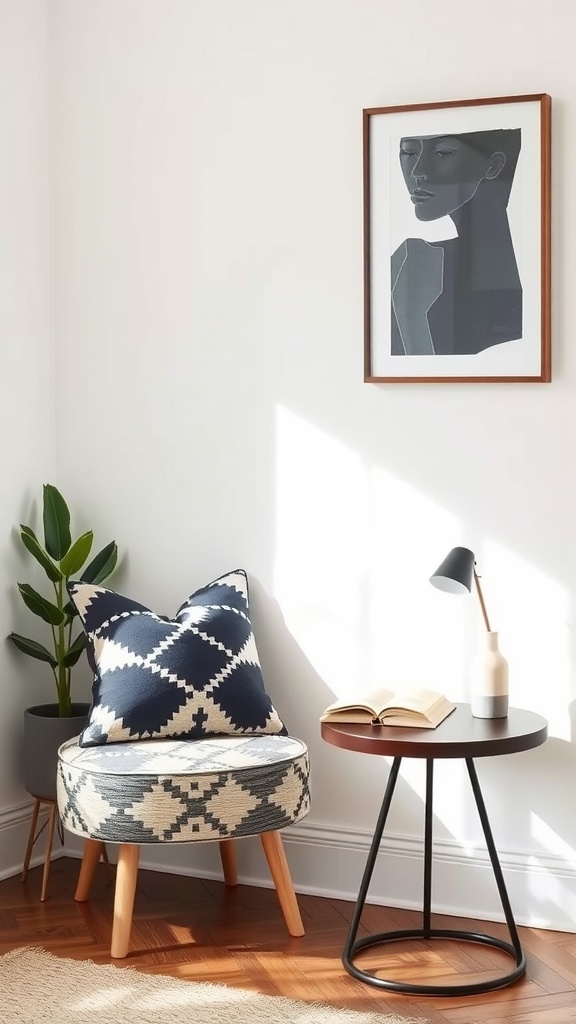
{"x":44,"y":733}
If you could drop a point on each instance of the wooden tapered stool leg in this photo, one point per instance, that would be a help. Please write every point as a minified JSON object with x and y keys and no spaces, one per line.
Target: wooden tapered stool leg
{"x":126,"y":875}
{"x":93,"y":850}
{"x":104,"y":858}
{"x":46,"y":872}
{"x":228,"y":858}
{"x":31,"y":838}
{"x":276,"y":857}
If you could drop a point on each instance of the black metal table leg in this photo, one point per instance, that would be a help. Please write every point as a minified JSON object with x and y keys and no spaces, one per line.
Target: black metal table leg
{"x":353,"y":945}
{"x":502,"y":891}
{"x":368,"y":870}
{"x":427,"y":904}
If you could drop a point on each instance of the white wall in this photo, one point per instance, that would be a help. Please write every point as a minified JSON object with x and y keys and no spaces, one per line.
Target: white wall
{"x":211,"y":411}
{"x":27,"y":403}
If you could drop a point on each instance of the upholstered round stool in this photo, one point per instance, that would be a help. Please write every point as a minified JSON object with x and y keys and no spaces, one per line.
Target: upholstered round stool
{"x":183,"y":791}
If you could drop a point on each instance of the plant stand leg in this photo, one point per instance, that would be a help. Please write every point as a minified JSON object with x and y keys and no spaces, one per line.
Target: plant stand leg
{"x":35,"y":835}
{"x":46,"y":871}
{"x":31,"y":838}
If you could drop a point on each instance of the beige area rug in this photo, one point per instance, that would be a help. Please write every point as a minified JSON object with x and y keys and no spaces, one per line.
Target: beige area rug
{"x":38,"y":988}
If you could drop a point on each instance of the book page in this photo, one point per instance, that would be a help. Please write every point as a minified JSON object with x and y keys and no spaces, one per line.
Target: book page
{"x":372,"y":701}
{"x":421,"y":720}
{"x":407,"y":720}
{"x":420,"y":701}
{"x":353,"y":715}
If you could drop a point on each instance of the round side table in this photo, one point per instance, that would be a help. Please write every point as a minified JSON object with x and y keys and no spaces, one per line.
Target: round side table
{"x":458,"y":736}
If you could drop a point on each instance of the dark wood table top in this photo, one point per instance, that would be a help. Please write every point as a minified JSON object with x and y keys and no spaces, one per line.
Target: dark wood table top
{"x":459,"y":735}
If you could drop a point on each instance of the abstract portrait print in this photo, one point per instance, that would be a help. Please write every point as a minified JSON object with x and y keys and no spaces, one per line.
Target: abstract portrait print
{"x":458,"y":295}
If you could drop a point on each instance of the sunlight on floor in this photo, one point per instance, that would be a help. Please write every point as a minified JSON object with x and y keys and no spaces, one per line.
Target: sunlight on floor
{"x":169,"y":997}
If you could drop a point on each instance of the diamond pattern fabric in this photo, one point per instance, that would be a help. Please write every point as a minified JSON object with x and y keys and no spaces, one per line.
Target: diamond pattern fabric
{"x":195,"y":675}
{"x":158,"y":791}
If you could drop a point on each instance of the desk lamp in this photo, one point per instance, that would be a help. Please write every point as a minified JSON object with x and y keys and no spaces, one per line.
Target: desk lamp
{"x":489,"y":696}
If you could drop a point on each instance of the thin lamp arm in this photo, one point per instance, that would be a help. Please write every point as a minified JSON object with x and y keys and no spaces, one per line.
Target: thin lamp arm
{"x":481,"y":599}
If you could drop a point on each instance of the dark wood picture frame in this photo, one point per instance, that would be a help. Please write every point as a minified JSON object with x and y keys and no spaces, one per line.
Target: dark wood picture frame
{"x":457,"y":241}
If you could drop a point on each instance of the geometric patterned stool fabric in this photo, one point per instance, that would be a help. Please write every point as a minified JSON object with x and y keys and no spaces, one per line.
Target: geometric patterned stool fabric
{"x":220,"y":789}
{"x":182,"y":791}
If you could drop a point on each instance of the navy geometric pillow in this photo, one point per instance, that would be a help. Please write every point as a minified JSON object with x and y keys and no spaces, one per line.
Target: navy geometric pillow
{"x":195,"y":675}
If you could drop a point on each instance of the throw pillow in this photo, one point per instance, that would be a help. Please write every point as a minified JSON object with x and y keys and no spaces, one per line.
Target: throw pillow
{"x":192,"y":676}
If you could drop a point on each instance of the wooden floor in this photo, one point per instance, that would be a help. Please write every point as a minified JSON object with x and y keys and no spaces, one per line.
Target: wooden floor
{"x":201,"y":931}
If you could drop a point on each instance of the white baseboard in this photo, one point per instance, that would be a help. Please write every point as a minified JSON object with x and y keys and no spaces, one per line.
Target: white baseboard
{"x":541,"y":889}
{"x":329,"y":861}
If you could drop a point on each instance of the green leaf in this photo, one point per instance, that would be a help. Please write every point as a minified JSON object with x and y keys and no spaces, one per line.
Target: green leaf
{"x":74,"y":651}
{"x":32,"y":544}
{"x":56,"y":523}
{"x":70,"y":610}
{"x":40,"y":606}
{"x":32,"y":648}
{"x":74,"y":558}
{"x":102,"y":565}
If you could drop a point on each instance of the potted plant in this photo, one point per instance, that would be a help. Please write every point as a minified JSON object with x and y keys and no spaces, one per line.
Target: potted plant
{"x":46,"y":726}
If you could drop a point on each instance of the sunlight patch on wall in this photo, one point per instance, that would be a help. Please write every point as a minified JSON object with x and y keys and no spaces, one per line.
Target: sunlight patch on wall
{"x":551,"y":841}
{"x":322,"y":549}
{"x":355,"y":548}
{"x":531,"y":612}
{"x":417,"y":634}
{"x":544,"y":886}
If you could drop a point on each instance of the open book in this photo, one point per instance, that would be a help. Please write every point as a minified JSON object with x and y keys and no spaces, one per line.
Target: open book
{"x":420,"y":709}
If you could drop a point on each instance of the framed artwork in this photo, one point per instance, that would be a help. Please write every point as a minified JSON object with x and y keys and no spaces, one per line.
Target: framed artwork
{"x":457,"y":241}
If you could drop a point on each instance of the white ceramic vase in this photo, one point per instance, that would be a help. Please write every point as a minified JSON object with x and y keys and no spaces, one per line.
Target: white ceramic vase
{"x":489,"y":682}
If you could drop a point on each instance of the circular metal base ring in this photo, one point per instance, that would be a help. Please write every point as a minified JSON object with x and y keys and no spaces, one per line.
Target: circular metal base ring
{"x":435,"y":933}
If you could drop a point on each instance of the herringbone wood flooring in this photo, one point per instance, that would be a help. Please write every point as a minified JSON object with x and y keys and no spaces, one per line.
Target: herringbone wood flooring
{"x":202,"y":931}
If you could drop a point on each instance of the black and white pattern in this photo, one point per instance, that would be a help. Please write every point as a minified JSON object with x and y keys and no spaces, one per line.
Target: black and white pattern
{"x":195,"y":675}
{"x":160,"y":791}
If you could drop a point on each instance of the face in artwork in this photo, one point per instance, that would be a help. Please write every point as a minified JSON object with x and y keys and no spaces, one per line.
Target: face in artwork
{"x":443,"y":172}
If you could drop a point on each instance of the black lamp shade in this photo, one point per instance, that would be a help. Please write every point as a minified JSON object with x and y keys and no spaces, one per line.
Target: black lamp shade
{"x":455,"y":573}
